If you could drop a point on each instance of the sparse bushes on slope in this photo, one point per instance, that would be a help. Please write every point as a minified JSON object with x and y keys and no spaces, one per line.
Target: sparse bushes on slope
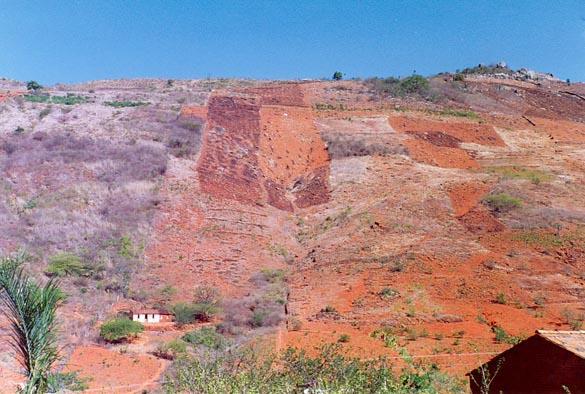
{"x":120,"y":329}
{"x":412,"y":85}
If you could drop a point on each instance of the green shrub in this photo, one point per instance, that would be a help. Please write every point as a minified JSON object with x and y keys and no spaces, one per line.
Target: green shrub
{"x":503,"y":337}
{"x":33,"y":85}
{"x":123,"y":104}
{"x":337,"y":76}
{"x":120,"y":329}
{"x":343,"y":338}
{"x":66,"y":264}
{"x":184,"y":313}
{"x":206,"y":336}
{"x":501,"y":299}
{"x":414,"y":84}
{"x":171,"y":349}
{"x":502,"y":202}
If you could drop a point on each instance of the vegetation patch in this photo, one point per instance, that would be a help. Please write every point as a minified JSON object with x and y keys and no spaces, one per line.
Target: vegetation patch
{"x":69,"y":99}
{"x":294,"y":371}
{"x":460,"y":113}
{"x":207,"y":337}
{"x":516,"y":172}
{"x":503,"y":337}
{"x":125,"y":104}
{"x":502,"y":202}
{"x":120,"y":329}
{"x":66,"y":264}
{"x":412,"y":85}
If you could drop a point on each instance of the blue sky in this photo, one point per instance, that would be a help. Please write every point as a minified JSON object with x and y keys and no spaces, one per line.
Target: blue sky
{"x":66,"y":41}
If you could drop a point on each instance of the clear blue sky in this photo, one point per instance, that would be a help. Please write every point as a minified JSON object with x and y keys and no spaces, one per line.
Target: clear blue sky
{"x":66,"y":41}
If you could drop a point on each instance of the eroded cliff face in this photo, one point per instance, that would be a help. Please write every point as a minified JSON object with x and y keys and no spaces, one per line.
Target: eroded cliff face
{"x":426,"y":222}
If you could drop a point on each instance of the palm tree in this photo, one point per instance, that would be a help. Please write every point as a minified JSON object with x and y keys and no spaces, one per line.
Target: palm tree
{"x":31,"y":310}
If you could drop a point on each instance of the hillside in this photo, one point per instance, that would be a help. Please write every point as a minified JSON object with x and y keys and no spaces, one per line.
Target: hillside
{"x":426,"y":218}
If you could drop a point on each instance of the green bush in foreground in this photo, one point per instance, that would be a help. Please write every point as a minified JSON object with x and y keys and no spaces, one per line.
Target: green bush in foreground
{"x":294,"y":372}
{"x":120,"y":329}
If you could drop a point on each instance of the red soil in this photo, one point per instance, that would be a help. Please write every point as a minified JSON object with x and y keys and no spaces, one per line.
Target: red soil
{"x":428,"y":153}
{"x":481,"y":134}
{"x":114,"y":372}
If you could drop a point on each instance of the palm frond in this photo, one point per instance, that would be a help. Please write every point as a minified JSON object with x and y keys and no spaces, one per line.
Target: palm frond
{"x":31,"y":311}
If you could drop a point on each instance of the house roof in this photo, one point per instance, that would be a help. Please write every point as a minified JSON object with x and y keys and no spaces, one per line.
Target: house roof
{"x":573,"y":341}
{"x":150,"y":311}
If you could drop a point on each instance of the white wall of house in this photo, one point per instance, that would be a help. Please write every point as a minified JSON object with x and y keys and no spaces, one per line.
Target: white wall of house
{"x":146,"y":317}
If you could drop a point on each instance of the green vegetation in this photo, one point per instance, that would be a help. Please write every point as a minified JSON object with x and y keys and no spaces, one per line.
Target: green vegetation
{"x":294,"y":371}
{"x":33,"y":85}
{"x":171,"y":350}
{"x":66,"y":381}
{"x":120,"y":329}
{"x":206,"y":336}
{"x":69,"y":99}
{"x":205,"y":305}
{"x":337,"y":76}
{"x":329,"y":309}
{"x":31,"y":310}
{"x":66,"y":264}
{"x":517,"y":172}
{"x":413,"y":85}
{"x":343,"y":338}
{"x":503,"y":337}
{"x":549,"y":240}
{"x":502,"y":202}
{"x":329,"y":107}
{"x":482,"y":69}
{"x":501,"y":299}
{"x":273,"y":275}
{"x":460,"y":113}
{"x":124,"y":104}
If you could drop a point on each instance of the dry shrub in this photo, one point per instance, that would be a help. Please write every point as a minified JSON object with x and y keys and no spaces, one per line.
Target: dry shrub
{"x":340,"y":146}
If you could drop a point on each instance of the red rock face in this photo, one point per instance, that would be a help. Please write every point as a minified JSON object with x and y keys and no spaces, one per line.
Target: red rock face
{"x":228,"y":166}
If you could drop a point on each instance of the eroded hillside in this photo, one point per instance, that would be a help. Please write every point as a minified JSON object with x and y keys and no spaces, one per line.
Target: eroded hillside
{"x":399,"y":221}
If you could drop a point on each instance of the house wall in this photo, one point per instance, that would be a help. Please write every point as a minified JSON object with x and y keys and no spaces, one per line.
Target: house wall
{"x":146,"y":317}
{"x":534,"y":366}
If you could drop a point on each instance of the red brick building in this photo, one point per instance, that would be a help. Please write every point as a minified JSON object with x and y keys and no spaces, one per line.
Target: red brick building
{"x":547,"y":362}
